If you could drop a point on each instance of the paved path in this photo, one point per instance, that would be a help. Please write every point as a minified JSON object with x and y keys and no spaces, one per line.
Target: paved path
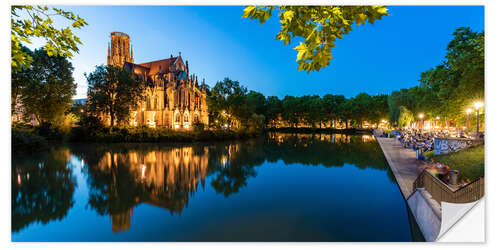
{"x":403,"y":163}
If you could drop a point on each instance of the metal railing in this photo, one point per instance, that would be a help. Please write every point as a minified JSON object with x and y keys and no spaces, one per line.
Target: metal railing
{"x":442,"y":192}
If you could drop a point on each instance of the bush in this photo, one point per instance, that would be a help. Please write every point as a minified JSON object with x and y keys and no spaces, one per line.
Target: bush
{"x":198,"y":126}
{"x":428,"y":154}
{"x":146,"y":134}
{"x":23,"y":140}
{"x":49,"y":131}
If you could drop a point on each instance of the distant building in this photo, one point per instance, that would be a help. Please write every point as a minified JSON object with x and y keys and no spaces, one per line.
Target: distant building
{"x":174,"y":99}
{"x":19,"y":114}
{"x":81,"y":101}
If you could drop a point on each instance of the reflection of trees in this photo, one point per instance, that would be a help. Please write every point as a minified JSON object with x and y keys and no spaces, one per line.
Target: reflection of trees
{"x":120,"y":176}
{"x":42,"y":188}
{"x":330,"y":150}
{"x":233,"y":164}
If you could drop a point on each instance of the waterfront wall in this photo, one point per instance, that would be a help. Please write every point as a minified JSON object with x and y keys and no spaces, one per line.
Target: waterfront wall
{"x":427,"y":213}
{"x":448,"y":145}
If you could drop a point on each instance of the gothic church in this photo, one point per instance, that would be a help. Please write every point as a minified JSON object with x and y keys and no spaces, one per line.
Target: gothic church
{"x":174,"y":99}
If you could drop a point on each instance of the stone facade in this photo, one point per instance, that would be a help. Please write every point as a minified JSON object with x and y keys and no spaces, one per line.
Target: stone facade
{"x":173,"y":97}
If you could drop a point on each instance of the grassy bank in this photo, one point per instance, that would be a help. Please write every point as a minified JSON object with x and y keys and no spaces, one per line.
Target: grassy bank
{"x":469,"y":162}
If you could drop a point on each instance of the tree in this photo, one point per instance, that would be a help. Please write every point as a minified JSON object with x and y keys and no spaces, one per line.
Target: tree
{"x":291,"y":110}
{"x":256,"y":102}
{"x":406,"y":117}
{"x":228,"y":101}
{"x":313,"y":110}
{"x":273,"y":109}
{"x":113,"y":91}
{"x":19,"y":80}
{"x":61,"y":42}
{"x":449,"y":88}
{"x":361,"y":108}
{"x":47,"y":87}
{"x":319,"y":26}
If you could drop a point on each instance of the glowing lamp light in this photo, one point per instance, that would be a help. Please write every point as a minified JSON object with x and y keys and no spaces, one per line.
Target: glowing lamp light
{"x":81,"y":110}
{"x":437,"y":117}
{"x":142,"y":109}
{"x":478,"y":105}
{"x":468,"y":111}
{"x":420,"y":115}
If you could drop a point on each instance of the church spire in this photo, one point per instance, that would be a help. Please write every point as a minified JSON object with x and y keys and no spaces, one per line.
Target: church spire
{"x":131,"y":54}
{"x":109,"y":54}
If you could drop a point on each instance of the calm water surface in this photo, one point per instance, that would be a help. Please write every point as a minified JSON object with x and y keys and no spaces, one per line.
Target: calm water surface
{"x":282,"y":187}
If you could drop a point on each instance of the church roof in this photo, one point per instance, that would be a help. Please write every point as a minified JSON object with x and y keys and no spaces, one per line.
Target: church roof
{"x":159,"y":65}
{"x":137,"y":68}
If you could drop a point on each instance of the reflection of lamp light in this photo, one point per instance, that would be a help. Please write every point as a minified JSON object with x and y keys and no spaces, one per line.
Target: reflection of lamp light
{"x":143,"y":174}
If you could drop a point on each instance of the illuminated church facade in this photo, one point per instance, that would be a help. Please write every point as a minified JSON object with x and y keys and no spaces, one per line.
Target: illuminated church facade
{"x":173,"y":98}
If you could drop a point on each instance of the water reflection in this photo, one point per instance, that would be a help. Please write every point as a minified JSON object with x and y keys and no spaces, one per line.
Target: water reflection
{"x":42,"y":188}
{"x":122,"y":176}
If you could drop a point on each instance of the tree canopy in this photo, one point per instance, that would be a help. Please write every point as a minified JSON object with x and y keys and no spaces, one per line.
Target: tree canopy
{"x":451,"y":87}
{"x":113,"y":91}
{"x":318,"y":26}
{"x":39,"y":23}
{"x":46,"y":88}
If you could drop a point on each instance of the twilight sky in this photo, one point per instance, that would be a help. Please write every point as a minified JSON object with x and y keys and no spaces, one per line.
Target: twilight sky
{"x":218,"y":43}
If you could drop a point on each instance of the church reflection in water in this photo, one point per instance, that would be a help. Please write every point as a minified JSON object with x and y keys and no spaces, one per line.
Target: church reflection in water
{"x":163,"y":178}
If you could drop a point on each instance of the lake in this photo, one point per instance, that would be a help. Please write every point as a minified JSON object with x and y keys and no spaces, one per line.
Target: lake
{"x":280,"y":187}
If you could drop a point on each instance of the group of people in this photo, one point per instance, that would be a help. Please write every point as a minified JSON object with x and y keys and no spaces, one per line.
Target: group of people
{"x":439,"y":170}
{"x":419,"y":140}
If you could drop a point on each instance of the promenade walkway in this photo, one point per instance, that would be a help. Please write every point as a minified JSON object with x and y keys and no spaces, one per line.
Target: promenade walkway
{"x":403,"y":164}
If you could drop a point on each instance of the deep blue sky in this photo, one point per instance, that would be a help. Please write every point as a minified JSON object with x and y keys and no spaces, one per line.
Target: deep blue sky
{"x":218,"y":43}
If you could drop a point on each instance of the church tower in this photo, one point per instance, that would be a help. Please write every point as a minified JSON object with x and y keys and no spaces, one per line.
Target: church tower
{"x":119,"y":51}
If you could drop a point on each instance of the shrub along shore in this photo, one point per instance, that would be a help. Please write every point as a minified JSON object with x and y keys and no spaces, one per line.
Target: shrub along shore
{"x":28,"y":138}
{"x":146,"y":134}
{"x":36,"y":138}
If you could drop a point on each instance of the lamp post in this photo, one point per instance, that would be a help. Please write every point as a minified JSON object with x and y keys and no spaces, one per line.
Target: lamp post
{"x":468,"y":111}
{"x":477,"y":105}
{"x":421,"y":116}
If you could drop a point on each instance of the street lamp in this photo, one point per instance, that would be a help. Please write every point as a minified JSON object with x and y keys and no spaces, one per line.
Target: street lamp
{"x":421,"y":116}
{"x":477,"y":105}
{"x":468,"y":111}
{"x":436,"y":122}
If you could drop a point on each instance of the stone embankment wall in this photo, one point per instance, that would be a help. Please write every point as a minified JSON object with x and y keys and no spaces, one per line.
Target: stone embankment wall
{"x":427,"y":213}
{"x":448,"y":145}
